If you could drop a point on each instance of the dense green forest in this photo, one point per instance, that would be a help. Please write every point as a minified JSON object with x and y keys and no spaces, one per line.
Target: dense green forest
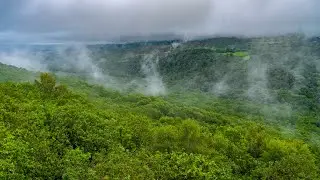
{"x":63,"y":127}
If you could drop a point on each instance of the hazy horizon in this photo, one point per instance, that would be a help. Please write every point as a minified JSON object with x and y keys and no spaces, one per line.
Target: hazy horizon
{"x":68,"y":21}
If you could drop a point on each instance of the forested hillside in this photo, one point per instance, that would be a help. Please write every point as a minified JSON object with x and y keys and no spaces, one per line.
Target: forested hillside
{"x":48,"y":131}
{"x":226,"y":110}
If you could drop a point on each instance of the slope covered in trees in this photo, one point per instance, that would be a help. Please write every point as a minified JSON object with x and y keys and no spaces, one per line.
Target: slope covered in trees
{"x":232,"y":109}
{"x":49,"y":131}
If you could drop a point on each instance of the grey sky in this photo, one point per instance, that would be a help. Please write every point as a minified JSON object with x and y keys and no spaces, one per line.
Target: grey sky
{"x":103,"y":20}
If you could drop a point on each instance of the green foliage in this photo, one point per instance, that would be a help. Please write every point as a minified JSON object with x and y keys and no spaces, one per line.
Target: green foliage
{"x":190,"y":166}
{"x":76,"y":164}
{"x":279,"y":78}
{"x":11,"y":73}
{"x":48,"y":87}
{"x":287,"y":160}
{"x":50,"y":132}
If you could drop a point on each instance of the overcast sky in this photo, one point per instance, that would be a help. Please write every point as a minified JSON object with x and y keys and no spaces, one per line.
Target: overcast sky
{"x":46,"y":21}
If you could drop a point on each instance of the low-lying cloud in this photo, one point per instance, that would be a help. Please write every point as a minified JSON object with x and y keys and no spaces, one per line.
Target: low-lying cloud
{"x":100,"y":20}
{"x":81,"y":62}
{"x":24,"y":59}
